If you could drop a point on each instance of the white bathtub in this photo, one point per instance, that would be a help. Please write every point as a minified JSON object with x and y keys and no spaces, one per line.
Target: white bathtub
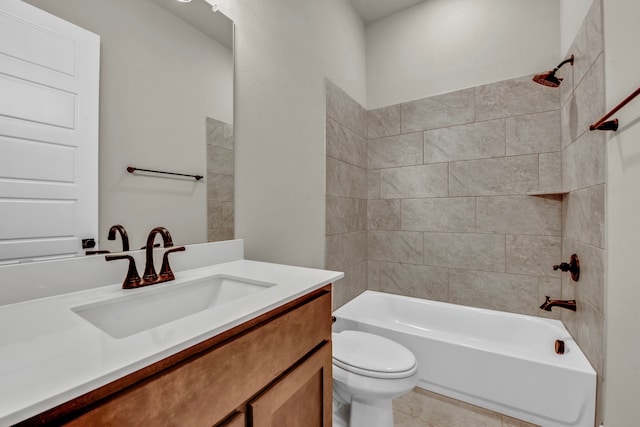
{"x":496,"y":360}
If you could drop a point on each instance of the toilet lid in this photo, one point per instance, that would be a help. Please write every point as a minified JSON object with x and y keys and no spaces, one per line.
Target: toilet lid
{"x":372,"y":355}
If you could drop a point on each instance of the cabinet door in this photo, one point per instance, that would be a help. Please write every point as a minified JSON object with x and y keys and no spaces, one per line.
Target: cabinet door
{"x":300,"y":398}
{"x":238,"y":420}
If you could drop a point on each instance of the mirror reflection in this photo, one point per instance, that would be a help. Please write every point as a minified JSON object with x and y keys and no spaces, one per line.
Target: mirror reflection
{"x":166,"y":103}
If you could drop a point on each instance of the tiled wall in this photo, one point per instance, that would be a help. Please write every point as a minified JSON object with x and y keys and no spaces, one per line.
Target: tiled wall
{"x":220,"y":180}
{"x":346,"y":193}
{"x":584,"y":174}
{"x":448,"y":213}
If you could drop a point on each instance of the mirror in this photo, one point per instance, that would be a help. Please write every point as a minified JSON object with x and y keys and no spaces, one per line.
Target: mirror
{"x":166,"y":103}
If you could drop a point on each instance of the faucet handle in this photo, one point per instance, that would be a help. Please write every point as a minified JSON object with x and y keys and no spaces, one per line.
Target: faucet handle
{"x":132,"y":279}
{"x":573,"y":266}
{"x":165,"y":271}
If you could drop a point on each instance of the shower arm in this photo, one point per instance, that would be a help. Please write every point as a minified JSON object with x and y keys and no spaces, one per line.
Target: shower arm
{"x":566,"y":61}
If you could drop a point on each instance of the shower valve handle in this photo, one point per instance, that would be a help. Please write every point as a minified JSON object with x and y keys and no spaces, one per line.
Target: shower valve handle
{"x":573,"y":266}
{"x":563,"y":266}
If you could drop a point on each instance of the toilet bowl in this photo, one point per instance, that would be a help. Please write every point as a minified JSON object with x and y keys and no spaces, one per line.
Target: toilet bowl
{"x":368,"y":372}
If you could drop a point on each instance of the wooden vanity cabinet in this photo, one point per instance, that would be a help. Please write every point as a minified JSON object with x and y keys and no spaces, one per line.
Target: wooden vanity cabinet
{"x":274,"y":370}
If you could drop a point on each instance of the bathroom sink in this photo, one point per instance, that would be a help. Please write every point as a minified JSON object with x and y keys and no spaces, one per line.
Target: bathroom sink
{"x":159,"y":304}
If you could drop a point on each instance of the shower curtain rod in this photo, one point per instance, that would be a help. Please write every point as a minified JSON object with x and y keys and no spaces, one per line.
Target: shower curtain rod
{"x":602,"y":124}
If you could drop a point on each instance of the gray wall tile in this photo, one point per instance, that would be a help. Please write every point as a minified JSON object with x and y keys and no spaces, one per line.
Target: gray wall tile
{"x":584,"y":161}
{"x":414,"y":181}
{"x":519,"y":215}
{"x":465,"y":250}
{"x":582,"y":60}
{"x":450,"y":109}
{"x":496,"y":291}
{"x":590,"y":287}
{"x":220,"y":180}
{"x":590,"y":97}
{"x":513,"y":98}
{"x":456,"y":214}
{"x":373,"y":184}
{"x":228,"y":214}
{"x":215,"y":132}
{"x":352,"y":285}
{"x":392,"y":151}
{"x":594,"y":30}
{"x":345,"y":249}
{"x":502,"y":176}
{"x":465,"y":142}
{"x":591,"y":334}
{"x":215,"y":214}
{"x":534,"y":133}
{"x":383,"y":121}
{"x":583,"y":215}
{"x":228,"y":141}
{"x":219,"y":234}
{"x":220,"y":160}
{"x":383,"y":215}
{"x":344,"y":109}
{"x":569,"y":131}
{"x":534,"y":255}
{"x":345,"y":179}
{"x":550,"y":171}
{"x":344,"y":215}
{"x":346,"y":145}
{"x":395,"y":246}
{"x":418,"y":281}
{"x":373,"y":275}
{"x":220,"y":187}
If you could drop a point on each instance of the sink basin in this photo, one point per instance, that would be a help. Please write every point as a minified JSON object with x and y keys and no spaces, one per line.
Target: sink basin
{"x":159,"y":304}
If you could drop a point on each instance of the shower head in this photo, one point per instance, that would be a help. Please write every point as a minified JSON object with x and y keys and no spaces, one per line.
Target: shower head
{"x":549,"y":78}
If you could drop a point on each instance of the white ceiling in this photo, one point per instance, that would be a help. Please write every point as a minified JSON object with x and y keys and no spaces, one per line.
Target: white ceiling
{"x":199,"y":14}
{"x":372,"y":10}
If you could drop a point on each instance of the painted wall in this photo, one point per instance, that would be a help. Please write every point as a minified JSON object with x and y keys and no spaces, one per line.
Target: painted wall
{"x":160,"y":79}
{"x":284,"y":50}
{"x":622,"y":70}
{"x":440,"y":46}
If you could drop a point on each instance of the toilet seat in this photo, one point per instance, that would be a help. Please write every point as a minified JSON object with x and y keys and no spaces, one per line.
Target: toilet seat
{"x":372,"y":355}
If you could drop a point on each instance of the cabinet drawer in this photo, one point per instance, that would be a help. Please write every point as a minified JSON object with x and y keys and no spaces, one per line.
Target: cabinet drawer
{"x":204,"y":389}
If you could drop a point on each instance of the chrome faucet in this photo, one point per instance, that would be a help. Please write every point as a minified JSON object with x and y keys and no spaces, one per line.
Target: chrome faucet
{"x":150,"y":277}
{"x":123,"y":235}
{"x":568,"y":304}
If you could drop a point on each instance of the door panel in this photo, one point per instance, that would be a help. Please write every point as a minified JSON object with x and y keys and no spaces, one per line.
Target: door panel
{"x":49,"y":80}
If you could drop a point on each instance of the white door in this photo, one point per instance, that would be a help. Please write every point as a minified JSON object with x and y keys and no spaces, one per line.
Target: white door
{"x":49,"y":87}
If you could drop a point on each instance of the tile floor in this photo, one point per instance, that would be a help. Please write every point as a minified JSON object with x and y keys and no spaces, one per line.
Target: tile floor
{"x":421,"y":408}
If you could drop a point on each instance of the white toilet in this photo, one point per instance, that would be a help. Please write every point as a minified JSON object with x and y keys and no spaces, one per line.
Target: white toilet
{"x":368,"y":372}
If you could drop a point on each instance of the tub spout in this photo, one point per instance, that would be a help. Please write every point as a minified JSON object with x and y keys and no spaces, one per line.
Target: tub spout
{"x":549,"y":303}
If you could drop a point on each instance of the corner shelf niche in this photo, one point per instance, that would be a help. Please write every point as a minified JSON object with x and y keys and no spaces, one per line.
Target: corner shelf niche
{"x":548,"y":193}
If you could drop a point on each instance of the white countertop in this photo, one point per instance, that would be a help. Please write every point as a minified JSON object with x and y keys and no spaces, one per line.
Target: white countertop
{"x":50,"y":355}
